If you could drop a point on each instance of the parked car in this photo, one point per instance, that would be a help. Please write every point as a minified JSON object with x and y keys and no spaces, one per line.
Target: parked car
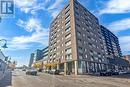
{"x":105,"y":73}
{"x":31,"y":72}
{"x":122,"y":72}
{"x":115,"y":72}
{"x":23,"y":69}
{"x":57,"y":72}
{"x":54,"y":72}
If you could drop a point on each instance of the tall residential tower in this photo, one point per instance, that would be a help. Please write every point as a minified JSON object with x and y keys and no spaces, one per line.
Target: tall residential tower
{"x":75,"y":41}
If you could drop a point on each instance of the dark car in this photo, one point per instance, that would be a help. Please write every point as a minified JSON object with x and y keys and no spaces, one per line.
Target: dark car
{"x":57,"y":72}
{"x":105,"y":73}
{"x":23,"y":69}
{"x":115,"y":72}
{"x":54,"y":72}
{"x":31,"y":72}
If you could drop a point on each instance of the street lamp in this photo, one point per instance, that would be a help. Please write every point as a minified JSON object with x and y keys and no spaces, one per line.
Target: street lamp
{"x":5,"y":44}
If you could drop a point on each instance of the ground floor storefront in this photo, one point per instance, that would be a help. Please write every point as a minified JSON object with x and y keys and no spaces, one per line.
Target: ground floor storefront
{"x":81,"y":67}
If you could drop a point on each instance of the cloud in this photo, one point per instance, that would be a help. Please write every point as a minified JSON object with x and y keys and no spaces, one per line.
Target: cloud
{"x":29,"y":6}
{"x":32,"y":6}
{"x":32,"y":24}
{"x":27,"y":42}
{"x":125,"y":43}
{"x":55,"y":8}
{"x":120,"y":25}
{"x":116,"y":6}
{"x":39,"y":35}
{"x":56,"y":4}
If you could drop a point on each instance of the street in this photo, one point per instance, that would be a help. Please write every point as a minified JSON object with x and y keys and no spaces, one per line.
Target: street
{"x":20,"y":79}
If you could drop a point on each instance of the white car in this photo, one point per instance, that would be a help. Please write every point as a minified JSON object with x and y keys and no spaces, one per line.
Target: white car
{"x":122,"y":72}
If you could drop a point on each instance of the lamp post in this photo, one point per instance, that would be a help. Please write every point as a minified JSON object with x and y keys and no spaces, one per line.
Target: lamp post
{"x":5,"y":44}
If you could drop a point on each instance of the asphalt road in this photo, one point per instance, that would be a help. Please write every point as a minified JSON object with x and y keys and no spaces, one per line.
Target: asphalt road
{"x":20,"y":79}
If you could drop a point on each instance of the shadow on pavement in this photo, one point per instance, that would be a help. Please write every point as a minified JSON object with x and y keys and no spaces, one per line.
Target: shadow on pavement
{"x":125,"y":76}
{"x":7,"y":80}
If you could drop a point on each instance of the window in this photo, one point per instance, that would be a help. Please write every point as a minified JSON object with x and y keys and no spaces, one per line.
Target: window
{"x":68,"y":23}
{"x":93,"y":39}
{"x":90,"y":45}
{"x":91,"y":33}
{"x":80,"y":49}
{"x":91,"y":53}
{"x":67,"y":18}
{"x":68,"y":43}
{"x":50,"y":56}
{"x":95,"y":53}
{"x":62,"y":51}
{"x":76,"y":2}
{"x":92,"y":59}
{"x":83,"y":28}
{"x":78,"y":33}
{"x":67,"y":29}
{"x":89,"y":38}
{"x":80,"y":57}
{"x":77,"y":19}
{"x":51,"y":50}
{"x":77,"y":25}
{"x":54,"y":43}
{"x":83,"y":35}
{"x":54,"y":55}
{"x":96,"y":58}
{"x":67,"y":6}
{"x":68,"y":36}
{"x":67,"y":12}
{"x":79,"y":41}
{"x":69,"y":56}
{"x":77,"y":13}
{"x":86,"y":56}
{"x":84,"y":42}
{"x":62,"y":57}
{"x":76,"y":7}
{"x":68,"y":51}
{"x":54,"y":49}
{"x":99,"y":55}
{"x":94,"y":45}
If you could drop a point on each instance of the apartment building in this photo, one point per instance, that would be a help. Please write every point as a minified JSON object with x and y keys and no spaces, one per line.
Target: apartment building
{"x":37,"y":55}
{"x":112,"y":49}
{"x":31,"y":60}
{"x":38,"y":58}
{"x":44,"y":53}
{"x":75,"y":41}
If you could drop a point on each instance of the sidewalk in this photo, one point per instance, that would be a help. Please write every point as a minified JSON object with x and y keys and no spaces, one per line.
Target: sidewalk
{"x":7,"y":80}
